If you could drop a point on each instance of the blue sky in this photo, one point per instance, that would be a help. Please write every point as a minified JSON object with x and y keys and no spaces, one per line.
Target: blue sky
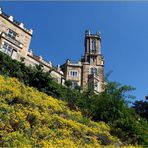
{"x":59,"y":34}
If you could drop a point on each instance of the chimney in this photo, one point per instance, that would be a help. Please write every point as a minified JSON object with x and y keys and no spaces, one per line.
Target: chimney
{"x":58,"y":67}
{"x":87,"y":32}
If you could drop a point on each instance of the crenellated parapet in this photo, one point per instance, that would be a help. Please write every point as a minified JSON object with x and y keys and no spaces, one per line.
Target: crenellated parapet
{"x":68,"y":62}
{"x":19,"y":24}
{"x":89,"y":34}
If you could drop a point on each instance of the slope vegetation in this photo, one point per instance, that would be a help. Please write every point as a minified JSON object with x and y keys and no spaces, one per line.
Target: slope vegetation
{"x":32,"y":118}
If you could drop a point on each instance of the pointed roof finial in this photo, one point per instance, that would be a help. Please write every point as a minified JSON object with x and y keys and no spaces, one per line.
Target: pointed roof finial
{"x":87,"y":32}
{"x":0,"y":10}
{"x":98,"y":33}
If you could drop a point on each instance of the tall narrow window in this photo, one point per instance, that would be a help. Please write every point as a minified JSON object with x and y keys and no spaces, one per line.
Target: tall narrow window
{"x":12,"y":34}
{"x":94,"y":45}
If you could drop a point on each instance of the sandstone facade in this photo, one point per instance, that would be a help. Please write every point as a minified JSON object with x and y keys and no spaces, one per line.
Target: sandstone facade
{"x":87,"y":73}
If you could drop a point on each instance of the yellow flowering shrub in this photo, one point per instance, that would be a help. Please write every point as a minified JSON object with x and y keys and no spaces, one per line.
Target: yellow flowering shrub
{"x":30,"y":118}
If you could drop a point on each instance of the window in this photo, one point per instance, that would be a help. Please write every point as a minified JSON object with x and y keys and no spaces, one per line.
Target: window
{"x":93,"y":70}
{"x":7,"y":48}
{"x":12,"y":34}
{"x":73,"y":73}
{"x":94,"y":45}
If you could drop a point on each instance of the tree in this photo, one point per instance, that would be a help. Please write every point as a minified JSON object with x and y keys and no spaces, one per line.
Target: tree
{"x":68,"y":83}
{"x":141,"y":108}
{"x":111,"y":106}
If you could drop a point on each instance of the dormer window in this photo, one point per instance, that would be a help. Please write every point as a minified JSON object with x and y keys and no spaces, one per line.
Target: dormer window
{"x":12,"y":34}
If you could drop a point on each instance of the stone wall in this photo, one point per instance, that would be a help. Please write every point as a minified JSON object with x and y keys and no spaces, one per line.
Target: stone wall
{"x":20,"y":46}
{"x":23,"y":37}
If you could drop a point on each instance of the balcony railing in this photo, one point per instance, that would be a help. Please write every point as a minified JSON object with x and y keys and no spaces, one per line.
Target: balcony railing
{"x":14,"y":41}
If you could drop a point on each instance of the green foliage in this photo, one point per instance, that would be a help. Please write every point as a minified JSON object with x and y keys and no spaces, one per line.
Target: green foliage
{"x":131,"y":129}
{"x":32,"y":76}
{"x":141,"y":108}
{"x":110,"y":106}
{"x":30,"y":118}
{"x":68,"y":83}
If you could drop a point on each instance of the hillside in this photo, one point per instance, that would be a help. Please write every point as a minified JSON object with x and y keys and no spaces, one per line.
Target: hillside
{"x":40,"y":112}
{"x":30,"y":117}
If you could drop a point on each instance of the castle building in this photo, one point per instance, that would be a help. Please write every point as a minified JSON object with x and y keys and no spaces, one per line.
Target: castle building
{"x":88,"y":73}
{"x":15,"y":41}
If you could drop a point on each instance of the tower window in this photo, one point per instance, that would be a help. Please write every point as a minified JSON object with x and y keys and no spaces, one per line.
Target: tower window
{"x":94,"y":45}
{"x":12,"y":34}
{"x":93,"y":70}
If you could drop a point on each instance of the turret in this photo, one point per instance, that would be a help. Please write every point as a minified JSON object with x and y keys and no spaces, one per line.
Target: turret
{"x":92,"y":42}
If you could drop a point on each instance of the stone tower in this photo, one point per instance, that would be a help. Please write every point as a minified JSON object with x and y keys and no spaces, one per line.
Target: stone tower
{"x":88,"y":73}
{"x":92,"y":63}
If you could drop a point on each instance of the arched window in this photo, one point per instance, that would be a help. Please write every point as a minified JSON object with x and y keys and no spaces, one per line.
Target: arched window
{"x":93,"y":70}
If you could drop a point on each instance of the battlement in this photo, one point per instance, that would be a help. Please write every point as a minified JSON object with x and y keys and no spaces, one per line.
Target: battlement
{"x":89,"y":34}
{"x":12,"y":20}
{"x":41,"y":60}
{"x":68,"y":62}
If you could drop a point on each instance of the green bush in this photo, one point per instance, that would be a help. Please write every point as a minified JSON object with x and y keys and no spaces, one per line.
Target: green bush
{"x":110,"y":106}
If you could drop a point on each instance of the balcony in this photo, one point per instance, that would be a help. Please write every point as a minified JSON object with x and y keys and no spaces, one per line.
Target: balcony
{"x":12,"y":40}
